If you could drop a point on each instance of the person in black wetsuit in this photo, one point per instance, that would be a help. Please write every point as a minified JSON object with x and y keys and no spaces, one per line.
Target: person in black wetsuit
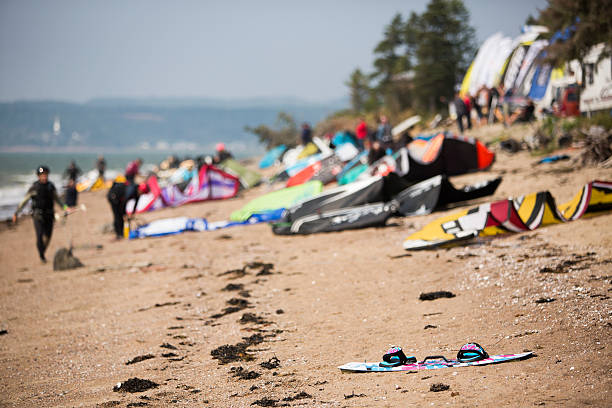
{"x":43,"y":194}
{"x":461,"y":111}
{"x":119,"y":194}
{"x":71,"y":193}
{"x":72,"y":172}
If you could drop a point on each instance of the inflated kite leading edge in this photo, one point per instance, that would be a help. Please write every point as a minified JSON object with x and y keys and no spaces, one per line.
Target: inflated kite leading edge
{"x":524,"y":213}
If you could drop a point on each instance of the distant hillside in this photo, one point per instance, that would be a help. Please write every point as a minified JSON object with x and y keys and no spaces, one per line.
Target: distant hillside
{"x":134,"y":123}
{"x":269,"y":102}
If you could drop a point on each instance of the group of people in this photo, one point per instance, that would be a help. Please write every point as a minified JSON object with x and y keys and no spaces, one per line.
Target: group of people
{"x":378,"y":140}
{"x":491,"y":104}
{"x":43,"y":194}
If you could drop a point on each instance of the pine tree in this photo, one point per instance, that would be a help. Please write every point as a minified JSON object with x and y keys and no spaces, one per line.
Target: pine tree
{"x":445,"y":47}
{"x":358,"y":84}
{"x":438,"y":45}
{"x":410,"y":36}
{"x":390,"y":60}
{"x":592,"y":22}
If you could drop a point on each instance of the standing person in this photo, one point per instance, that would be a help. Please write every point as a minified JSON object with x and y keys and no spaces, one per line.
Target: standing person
{"x":482,"y":100}
{"x":70,"y":191}
{"x":493,"y":102}
{"x":306,"y":134}
{"x":132,"y":170}
{"x":71,"y":194}
{"x":460,"y":110}
{"x":101,"y":166}
{"x":477,"y":107}
{"x":361,"y":131}
{"x":506,"y":98}
{"x":73,"y":171}
{"x":118,"y":196}
{"x":383,"y":133}
{"x":468,"y":110}
{"x":43,"y":194}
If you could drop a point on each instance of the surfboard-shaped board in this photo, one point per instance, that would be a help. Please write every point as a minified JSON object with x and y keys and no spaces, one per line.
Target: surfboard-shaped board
{"x":433,"y":364}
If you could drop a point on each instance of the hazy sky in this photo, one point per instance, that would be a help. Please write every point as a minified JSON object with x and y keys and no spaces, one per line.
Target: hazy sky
{"x":75,"y":50}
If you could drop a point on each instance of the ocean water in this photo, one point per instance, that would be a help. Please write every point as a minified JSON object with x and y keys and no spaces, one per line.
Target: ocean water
{"x":17,"y":170}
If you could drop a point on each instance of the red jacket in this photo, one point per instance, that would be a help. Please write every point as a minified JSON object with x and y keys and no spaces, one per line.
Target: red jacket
{"x":361,"y":130}
{"x":468,"y":104}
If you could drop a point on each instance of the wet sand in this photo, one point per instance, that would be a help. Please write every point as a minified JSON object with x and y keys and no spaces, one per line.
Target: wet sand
{"x":207,"y":321}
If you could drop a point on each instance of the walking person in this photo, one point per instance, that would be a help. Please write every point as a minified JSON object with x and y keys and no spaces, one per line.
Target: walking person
{"x":42,"y":194}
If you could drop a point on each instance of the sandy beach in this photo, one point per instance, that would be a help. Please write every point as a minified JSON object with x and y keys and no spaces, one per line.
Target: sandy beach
{"x":291,"y":309}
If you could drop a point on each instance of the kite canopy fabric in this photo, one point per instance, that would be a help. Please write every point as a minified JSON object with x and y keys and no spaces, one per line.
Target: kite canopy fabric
{"x":370,"y":203}
{"x":324,"y":170}
{"x":272,"y":156}
{"x":308,"y":150}
{"x":91,"y":181}
{"x":405,"y":125}
{"x":172,"y":226}
{"x":298,"y":166}
{"x":524,"y":213}
{"x":211,"y":183}
{"x":447,"y":154}
{"x":248,"y":178}
{"x":354,"y":194}
{"x":284,"y":198}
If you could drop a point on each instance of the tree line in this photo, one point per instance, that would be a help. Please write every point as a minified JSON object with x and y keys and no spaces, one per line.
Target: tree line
{"x":420,"y":58}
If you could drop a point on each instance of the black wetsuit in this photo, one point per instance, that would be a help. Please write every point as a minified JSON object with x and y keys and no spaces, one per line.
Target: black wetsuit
{"x":70,"y":191}
{"x":71,"y":196}
{"x":72,"y":172}
{"x":42,"y":195}
{"x":461,"y":111}
{"x":118,"y":196}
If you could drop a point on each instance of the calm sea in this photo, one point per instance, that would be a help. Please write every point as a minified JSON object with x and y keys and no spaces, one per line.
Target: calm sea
{"x":17,"y":170}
